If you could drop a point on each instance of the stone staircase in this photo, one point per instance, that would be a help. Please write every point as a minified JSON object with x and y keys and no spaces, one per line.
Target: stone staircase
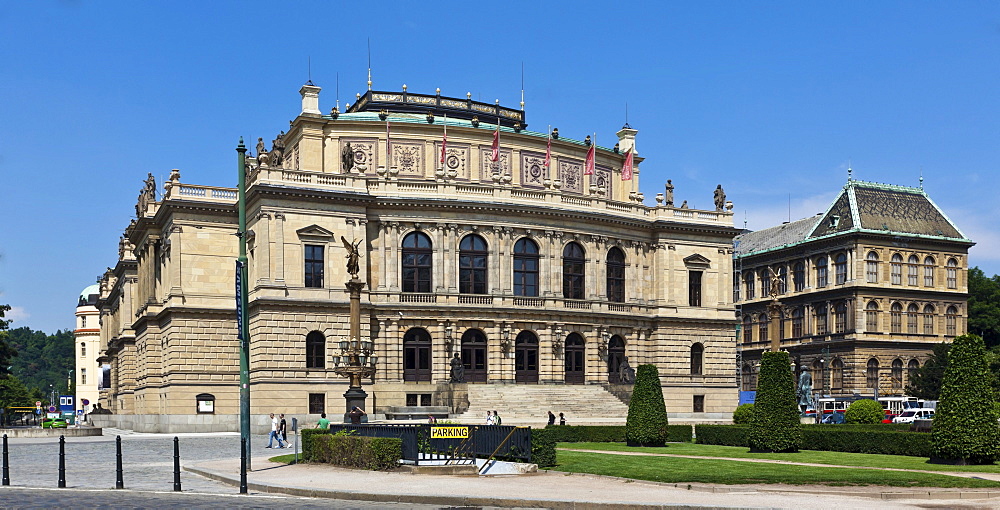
{"x":529,"y":404}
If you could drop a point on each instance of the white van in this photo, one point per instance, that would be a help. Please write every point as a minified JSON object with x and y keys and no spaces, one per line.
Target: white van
{"x":909,"y":415}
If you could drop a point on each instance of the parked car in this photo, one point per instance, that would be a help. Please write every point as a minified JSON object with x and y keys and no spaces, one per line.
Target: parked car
{"x":909,"y":415}
{"x":834,"y":419}
{"x":889,"y":417}
{"x":54,"y":423}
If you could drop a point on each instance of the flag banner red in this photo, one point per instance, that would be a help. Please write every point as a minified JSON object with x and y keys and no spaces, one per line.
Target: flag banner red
{"x":444,"y":144}
{"x":495,"y":156}
{"x":627,"y":167}
{"x":588,"y":166}
{"x":548,"y":152}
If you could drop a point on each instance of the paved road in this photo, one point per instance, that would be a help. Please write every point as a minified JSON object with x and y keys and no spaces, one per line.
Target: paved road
{"x":106,"y":499}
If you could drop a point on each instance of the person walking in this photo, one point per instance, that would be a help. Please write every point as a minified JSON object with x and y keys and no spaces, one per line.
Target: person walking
{"x":562,"y":419}
{"x":274,"y":434}
{"x":552,"y":418}
{"x":496,"y":418}
{"x":283,"y":429}
{"x":489,"y":418}
{"x":323,"y":423}
{"x":356,"y":415}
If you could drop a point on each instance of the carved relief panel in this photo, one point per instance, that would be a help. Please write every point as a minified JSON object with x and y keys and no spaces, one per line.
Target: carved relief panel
{"x":487,"y":167}
{"x":533,"y":170}
{"x":456,"y":159}
{"x":365,"y":155}
{"x":602,"y":177}
{"x":571,"y":175}
{"x":408,"y":158}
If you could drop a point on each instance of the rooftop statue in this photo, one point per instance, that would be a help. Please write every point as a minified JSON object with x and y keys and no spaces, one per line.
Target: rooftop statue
{"x":720,"y":198}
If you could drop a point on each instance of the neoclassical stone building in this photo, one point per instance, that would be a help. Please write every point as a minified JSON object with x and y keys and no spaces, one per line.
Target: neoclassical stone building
{"x":866,"y":289}
{"x":501,"y":245}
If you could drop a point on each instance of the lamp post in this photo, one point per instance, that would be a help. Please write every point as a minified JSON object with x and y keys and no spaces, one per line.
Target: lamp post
{"x":242,"y":305}
{"x":355,"y":361}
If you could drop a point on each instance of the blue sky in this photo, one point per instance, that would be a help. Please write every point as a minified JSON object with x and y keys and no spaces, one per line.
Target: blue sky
{"x":770,"y":99}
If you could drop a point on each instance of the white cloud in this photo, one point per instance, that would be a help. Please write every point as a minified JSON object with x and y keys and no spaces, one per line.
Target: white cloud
{"x":17,"y":313}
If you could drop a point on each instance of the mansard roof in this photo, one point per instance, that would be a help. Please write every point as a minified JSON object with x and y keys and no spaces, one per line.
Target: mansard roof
{"x":861,"y":207}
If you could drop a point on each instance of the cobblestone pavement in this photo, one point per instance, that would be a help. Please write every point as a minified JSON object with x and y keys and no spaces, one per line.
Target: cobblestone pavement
{"x":21,"y":498}
{"x":147,"y":460}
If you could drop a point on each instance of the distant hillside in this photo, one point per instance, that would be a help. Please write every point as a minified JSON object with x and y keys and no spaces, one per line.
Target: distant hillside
{"x":42,"y":359}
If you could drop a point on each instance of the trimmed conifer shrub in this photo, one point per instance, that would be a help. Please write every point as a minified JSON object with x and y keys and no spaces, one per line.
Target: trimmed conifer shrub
{"x":647,"y":414}
{"x":965,"y":427}
{"x":775,"y":425}
{"x":864,"y":411}
{"x":742,"y":414}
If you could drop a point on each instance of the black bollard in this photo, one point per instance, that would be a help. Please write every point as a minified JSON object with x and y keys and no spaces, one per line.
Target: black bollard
{"x":243,"y":466}
{"x":62,"y":462}
{"x":6,"y":462}
{"x":119,"y":480}
{"x":177,"y":464}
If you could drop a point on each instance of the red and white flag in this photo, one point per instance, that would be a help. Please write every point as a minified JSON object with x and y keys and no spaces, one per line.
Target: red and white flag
{"x":627,"y":167}
{"x":495,"y":156}
{"x":588,"y":165}
{"x":388,"y":142}
{"x":444,"y":141}
{"x":548,"y":151}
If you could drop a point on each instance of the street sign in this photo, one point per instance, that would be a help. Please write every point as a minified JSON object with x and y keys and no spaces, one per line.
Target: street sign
{"x":86,"y":402}
{"x":38,"y":403}
{"x":52,"y":409}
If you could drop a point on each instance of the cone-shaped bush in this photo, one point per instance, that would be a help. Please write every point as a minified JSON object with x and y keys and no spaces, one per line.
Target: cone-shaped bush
{"x":965,"y":427}
{"x":647,"y":414}
{"x":774,"y":424}
{"x":864,"y":411}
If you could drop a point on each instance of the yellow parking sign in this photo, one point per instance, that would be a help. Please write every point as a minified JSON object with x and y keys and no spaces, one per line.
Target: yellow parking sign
{"x":449,"y":432}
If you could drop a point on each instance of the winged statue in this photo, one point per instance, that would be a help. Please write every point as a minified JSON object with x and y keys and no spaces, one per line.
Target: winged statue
{"x":352,"y":256}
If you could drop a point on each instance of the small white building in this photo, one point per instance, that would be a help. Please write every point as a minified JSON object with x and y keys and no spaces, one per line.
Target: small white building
{"x":87,"y":344}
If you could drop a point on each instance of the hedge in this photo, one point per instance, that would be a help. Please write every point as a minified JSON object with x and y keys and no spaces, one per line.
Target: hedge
{"x":965,"y":422}
{"x":373,"y":453}
{"x":307,"y":436}
{"x":609,"y":433}
{"x":775,"y":424}
{"x":646,"y":424}
{"x":833,"y":438}
{"x":543,"y":447}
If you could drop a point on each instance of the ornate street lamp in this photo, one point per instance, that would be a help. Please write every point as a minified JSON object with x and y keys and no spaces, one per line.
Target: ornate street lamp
{"x":355,"y":361}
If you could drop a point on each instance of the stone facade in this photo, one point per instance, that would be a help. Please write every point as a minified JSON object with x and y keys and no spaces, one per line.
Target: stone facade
{"x":866,"y":289}
{"x":605,"y":275}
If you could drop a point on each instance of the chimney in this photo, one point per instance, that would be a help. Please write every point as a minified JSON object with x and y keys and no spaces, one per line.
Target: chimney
{"x":310,"y":99}
{"x":626,"y":139}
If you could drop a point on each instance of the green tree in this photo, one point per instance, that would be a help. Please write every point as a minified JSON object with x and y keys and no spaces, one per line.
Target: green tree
{"x":864,"y":411}
{"x":14,"y":393}
{"x":42,"y":359}
{"x":984,"y":306}
{"x":7,"y":353}
{"x":966,"y":429}
{"x":743,"y":414}
{"x":646,"y":424}
{"x":775,"y":424}
{"x":925,"y":383}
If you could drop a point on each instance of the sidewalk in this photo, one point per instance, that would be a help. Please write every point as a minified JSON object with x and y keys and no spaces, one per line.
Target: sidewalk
{"x":549,"y":489}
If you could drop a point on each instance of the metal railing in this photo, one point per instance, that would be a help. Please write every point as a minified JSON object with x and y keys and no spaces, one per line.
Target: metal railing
{"x":467,"y":442}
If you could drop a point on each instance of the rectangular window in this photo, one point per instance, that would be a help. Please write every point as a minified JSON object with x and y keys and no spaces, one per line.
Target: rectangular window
{"x":821,"y":277}
{"x":699,"y":404}
{"x":897,"y":273}
{"x":872,"y":271}
{"x":911,"y":274}
{"x":928,"y":276}
{"x":952,"y":278}
{"x":317,"y":403}
{"x":871,"y":321}
{"x":418,"y":399}
{"x":694,"y":288}
{"x":83,"y":376}
{"x":314,"y":266}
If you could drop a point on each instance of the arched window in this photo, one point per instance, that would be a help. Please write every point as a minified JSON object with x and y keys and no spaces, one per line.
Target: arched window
{"x":799,"y":276}
{"x":821,"y":274}
{"x":928,"y":319}
{"x":83,"y":348}
{"x":762,"y":328}
{"x":525,"y":268}
{"x":765,"y":283}
{"x":821,"y":320}
{"x":911,"y":319}
{"x":818,"y":374}
{"x":417,"y":355}
{"x":417,"y":263}
{"x":474,"y":355}
{"x":871,"y":317}
{"x":748,"y":277}
{"x":911,"y":370}
{"x":952,"y":273}
{"x":837,"y":367}
{"x":896,"y":269}
{"x":871,"y":267}
{"x":697,"y":355}
{"x":840,"y":266}
{"x":782,"y":280}
{"x":737,"y":280}
{"x":797,"y":322}
{"x":896,"y":318}
{"x":747,"y":329}
{"x":472,"y":255}
{"x":840,"y":318}
{"x":951,"y":321}
{"x":871,"y":374}
{"x":616,"y":275}
{"x":315,"y":350}
{"x":928,"y":271}
{"x":912,"y":270}
{"x":573,"y":271}
{"x":897,"y":374}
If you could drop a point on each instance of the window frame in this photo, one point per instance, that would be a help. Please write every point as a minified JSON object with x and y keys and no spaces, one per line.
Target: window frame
{"x":574,"y":277}
{"x":473,"y":265}
{"x":311,"y":264}
{"x":525,"y":257}
{"x":871,"y":267}
{"x":315,"y":350}
{"x":615,"y":274}
{"x":411,"y":257}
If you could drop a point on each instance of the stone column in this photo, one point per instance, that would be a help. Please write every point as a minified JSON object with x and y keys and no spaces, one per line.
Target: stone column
{"x":774,"y":316}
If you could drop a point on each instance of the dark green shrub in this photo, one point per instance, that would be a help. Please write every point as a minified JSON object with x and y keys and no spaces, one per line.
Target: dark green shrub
{"x":307,"y":441}
{"x":647,"y":414}
{"x":841,"y":438}
{"x":775,"y":425}
{"x":609,"y":433}
{"x":679,"y":433}
{"x":864,"y":411}
{"x":726,"y":435}
{"x":373,"y":453}
{"x":742,"y":414}
{"x":965,"y":423}
{"x":543,"y":447}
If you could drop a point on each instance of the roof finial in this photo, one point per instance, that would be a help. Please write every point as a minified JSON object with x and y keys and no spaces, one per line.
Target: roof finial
{"x":849,"y":170}
{"x":921,"y":177}
{"x":626,"y":126}
{"x":309,"y":70}
{"x":522,"y":85}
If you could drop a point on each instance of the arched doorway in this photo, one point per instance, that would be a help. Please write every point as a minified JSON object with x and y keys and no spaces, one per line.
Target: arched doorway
{"x":526,"y":357}
{"x":616,"y":355}
{"x":474,"y":355}
{"x":417,"y":355}
{"x":574,"y":351}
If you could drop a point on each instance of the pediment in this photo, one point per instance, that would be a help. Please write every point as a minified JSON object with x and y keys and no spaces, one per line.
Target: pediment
{"x":697,"y":260}
{"x":315,"y":231}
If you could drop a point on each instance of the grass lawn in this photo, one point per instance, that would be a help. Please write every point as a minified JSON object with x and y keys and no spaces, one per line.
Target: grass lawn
{"x":680,"y":470}
{"x":811,"y":456}
{"x":285,"y":459}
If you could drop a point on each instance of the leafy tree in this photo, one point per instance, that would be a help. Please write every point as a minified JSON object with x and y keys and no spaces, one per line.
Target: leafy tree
{"x":42,"y":359}
{"x":775,"y":424}
{"x":743,"y":414}
{"x":14,"y":393}
{"x":7,"y":353}
{"x":966,"y":428}
{"x":864,"y":411}
{"x":984,"y":306}
{"x":926,"y":381}
{"x":646,"y":424}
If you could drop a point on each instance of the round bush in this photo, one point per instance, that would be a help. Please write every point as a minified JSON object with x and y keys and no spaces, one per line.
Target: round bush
{"x":864,"y":411}
{"x":743,"y":414}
